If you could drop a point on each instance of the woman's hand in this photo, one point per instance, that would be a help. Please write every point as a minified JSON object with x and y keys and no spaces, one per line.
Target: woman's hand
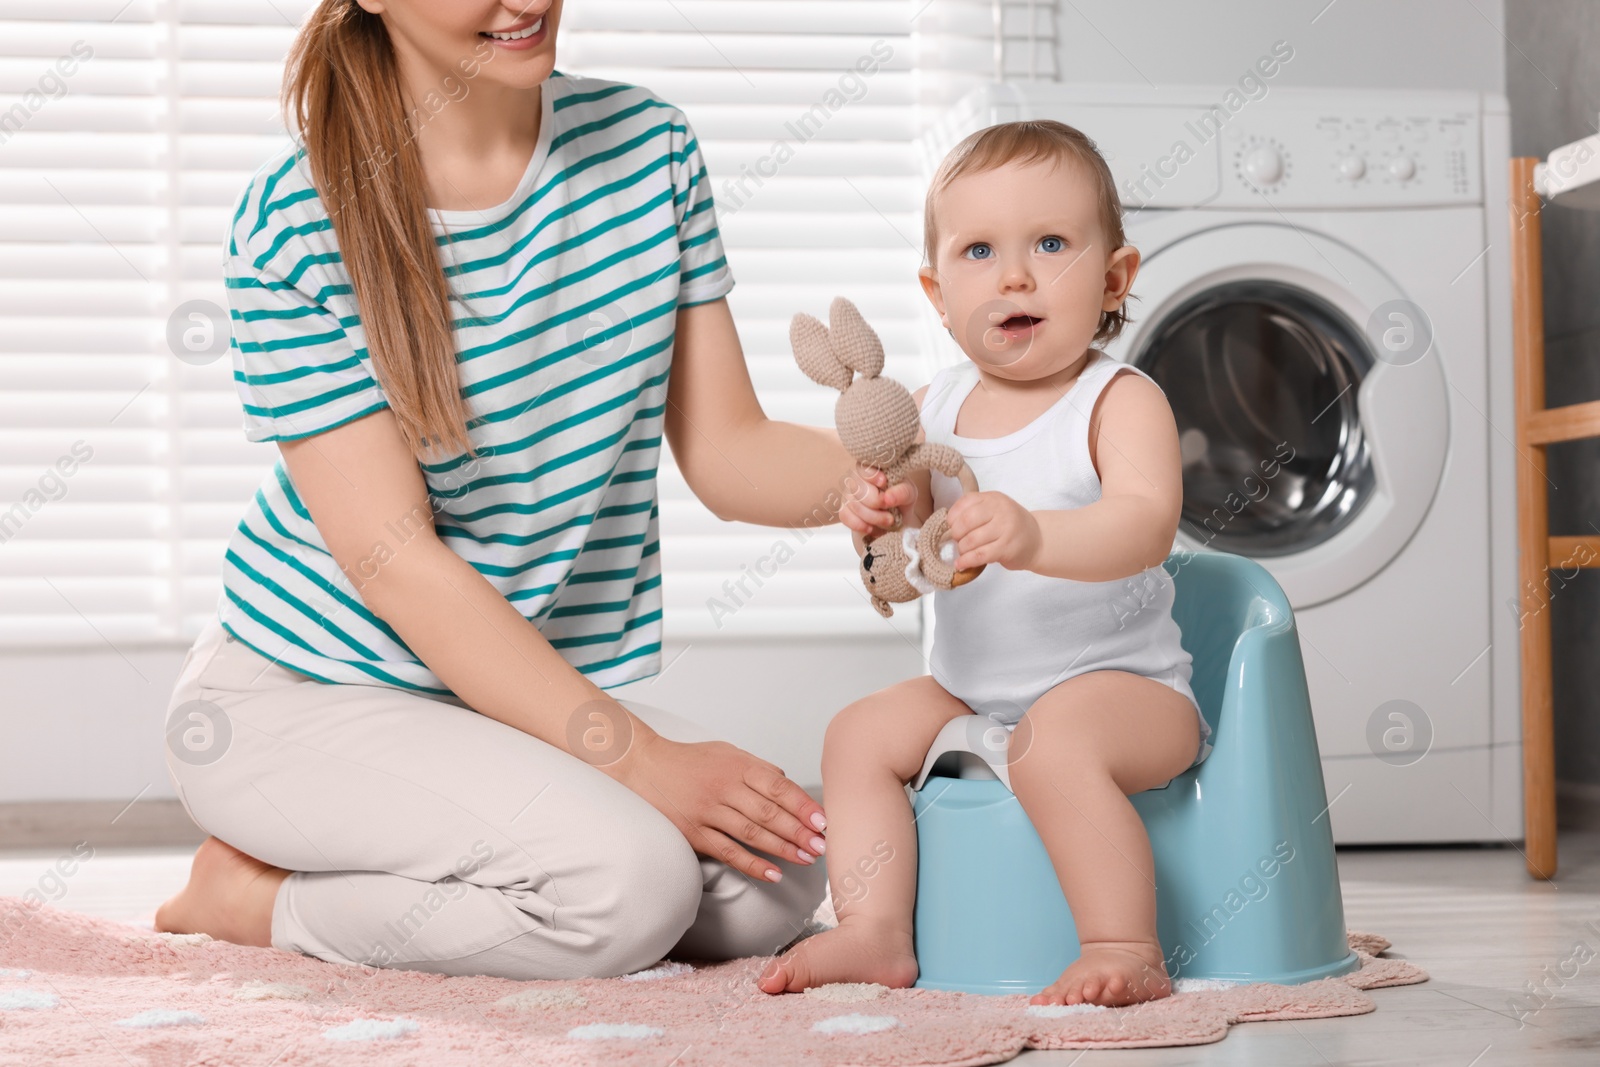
{"x":992,"y":527}
{"x":867,"y":510}
{"x":719,"y":795}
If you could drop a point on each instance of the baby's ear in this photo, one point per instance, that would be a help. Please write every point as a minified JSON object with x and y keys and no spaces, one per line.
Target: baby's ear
{"x":809,"y":339}
{"x":855,"y":344}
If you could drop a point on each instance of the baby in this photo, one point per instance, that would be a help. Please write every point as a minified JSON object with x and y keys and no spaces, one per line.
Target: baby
{"x":1067,"y":640}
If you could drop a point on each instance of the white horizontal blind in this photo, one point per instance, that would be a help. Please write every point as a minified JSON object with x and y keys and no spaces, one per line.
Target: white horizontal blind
{"x":962,"y":44}
{"x":814,"y":173}
{"x":115,"y":185}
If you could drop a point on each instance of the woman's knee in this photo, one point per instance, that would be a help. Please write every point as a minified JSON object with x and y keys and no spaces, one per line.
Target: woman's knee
{"x":771,"y":917}
{"x":634,"y":903}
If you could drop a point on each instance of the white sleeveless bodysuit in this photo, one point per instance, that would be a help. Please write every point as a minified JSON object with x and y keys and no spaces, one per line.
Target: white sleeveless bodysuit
{"x":1007,"y":637}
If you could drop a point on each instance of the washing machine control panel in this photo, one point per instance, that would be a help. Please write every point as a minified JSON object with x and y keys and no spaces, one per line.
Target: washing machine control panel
{"x":1351,"y":158}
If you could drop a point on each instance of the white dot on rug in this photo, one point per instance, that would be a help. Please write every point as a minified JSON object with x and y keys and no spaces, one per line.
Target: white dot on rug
{"x":173,"y":939}
{"x":255,"y":989}
{"x":26,"y":1000}
{"x":543,"y":999}
{"x":601,"y":1031}
{"x":662,"y":970}
{"x":1199,"y":985}
{"x":855,"y":1024}
{"x":845,"y":992}
{"x":156,"y":1018}
{"x":19,"y":973}
{"x":371,"y":1030}
{"x":1056,"y":1011}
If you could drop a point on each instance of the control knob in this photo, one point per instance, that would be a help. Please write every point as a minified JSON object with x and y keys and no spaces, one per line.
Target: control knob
{"x":1352,"y":167}
{"x":1263,"y":165}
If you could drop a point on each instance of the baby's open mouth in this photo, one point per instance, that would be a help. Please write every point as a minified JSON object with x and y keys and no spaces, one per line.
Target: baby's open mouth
{"x":1017,"y":323}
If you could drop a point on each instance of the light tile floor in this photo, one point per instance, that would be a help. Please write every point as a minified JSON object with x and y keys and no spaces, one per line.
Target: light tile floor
{"x":1470,"y":917}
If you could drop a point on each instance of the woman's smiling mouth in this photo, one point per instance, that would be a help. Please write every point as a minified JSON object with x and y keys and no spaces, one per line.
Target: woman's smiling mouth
{"x":521,"y":37}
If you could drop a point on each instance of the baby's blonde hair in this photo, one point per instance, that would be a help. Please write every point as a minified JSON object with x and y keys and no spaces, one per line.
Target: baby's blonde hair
{"x":1033,"y":141}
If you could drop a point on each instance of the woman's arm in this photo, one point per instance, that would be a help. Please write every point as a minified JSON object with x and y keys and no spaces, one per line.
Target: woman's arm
{"x":1134,"y":446}
{"x":360,"y":482}
{"x":744,"y":466}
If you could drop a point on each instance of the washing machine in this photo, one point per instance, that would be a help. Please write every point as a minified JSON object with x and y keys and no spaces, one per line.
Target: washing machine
{"x":1324,"y":299}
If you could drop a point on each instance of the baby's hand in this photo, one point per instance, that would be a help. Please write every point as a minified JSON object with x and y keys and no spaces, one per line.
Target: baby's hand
{"x":993,"y":528}
{"x":866,"y":510}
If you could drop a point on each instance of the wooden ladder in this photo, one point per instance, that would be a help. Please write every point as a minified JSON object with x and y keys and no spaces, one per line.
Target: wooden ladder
{"x":1537,"y":428}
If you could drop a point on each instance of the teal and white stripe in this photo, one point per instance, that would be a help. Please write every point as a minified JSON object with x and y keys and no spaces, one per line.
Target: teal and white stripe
{"x":567,"y":296}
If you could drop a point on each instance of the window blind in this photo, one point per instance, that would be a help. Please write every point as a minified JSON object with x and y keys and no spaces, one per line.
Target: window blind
{"x":813,"y":168}
{"x":959,"y":45}
{"x":128,"y":128}
{"x":88,"y":254}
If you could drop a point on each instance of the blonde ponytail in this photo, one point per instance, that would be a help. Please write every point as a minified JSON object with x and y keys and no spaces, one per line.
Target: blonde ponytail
{"x":342,"y":95}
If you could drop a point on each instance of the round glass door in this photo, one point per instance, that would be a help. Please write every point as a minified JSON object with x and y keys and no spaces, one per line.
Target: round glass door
{"x":1263,"y":378}
{"x":1305,"y":446}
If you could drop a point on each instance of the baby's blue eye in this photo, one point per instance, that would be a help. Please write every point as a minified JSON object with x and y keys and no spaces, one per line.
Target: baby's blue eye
{"x":979,"y":251}
{"x":1052,"y":244}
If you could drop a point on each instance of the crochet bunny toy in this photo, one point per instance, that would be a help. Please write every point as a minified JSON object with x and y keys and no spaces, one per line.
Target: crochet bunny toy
{"x":878,"y":423}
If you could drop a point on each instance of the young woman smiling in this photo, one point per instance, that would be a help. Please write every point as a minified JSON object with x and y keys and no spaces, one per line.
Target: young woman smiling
{"x":468,"y":336}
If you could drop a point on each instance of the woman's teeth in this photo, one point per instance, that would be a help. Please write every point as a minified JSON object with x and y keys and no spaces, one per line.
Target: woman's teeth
{"x":519,"y":35}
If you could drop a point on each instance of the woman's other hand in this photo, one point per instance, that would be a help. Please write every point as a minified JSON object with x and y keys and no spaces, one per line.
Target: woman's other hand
{"x":720,"y":797}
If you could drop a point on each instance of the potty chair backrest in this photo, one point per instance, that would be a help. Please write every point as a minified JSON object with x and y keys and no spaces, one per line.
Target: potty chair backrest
{"x":1214,"y":603}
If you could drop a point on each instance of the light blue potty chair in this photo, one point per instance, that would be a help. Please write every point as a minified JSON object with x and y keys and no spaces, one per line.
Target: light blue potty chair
{"x":1247,"y":888}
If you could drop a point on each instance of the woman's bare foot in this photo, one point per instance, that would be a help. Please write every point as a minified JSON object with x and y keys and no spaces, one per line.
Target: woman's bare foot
{"x":1111,"y":973}
{"x":229,"y":896}
{"x":850,"y":952}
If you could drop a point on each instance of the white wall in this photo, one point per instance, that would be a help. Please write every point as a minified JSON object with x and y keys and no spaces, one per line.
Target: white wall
{"x":88,"y":726}
{"x":1425,"y":44}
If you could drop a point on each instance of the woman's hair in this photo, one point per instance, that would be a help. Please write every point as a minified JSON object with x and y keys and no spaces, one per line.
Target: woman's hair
{"x":1034,"y":141}
{"x":342,"y":93}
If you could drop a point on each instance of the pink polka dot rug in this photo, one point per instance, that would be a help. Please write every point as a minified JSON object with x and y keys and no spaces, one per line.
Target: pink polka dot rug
{"x":84,"y":991}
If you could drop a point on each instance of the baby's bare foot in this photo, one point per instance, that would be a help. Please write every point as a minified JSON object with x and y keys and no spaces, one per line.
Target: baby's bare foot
{"x":850,"y":952}
{"x":1111,"y":973}
{"x":229,"y":896}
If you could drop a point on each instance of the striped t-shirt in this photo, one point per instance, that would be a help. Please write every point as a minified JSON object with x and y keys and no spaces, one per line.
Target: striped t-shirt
{"x":568,"y":297}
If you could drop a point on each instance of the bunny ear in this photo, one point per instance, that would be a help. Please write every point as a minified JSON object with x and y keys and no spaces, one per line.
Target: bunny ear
{"x":855,"y":344}
{"x":809,"y":339}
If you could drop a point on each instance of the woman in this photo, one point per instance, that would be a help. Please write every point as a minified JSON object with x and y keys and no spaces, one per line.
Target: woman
{"x":455,"y":307}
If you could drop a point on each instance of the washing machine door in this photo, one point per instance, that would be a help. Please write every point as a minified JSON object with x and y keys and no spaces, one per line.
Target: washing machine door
{"x":1311,"y":407}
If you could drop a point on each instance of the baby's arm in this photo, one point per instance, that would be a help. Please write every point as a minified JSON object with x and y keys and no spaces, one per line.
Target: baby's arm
{"x":1133,"y":444}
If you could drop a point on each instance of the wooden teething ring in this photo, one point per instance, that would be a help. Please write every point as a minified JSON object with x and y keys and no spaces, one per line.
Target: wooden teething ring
{"x":948,"y":578}
{"x":969,"y":484}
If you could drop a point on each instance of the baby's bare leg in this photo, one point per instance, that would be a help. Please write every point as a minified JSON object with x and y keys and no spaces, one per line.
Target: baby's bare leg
{"x":1075,"y":756}
{"x":872,"y":749}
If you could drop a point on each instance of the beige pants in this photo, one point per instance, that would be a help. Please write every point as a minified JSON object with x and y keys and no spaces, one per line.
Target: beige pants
{"x":426,"y":836}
